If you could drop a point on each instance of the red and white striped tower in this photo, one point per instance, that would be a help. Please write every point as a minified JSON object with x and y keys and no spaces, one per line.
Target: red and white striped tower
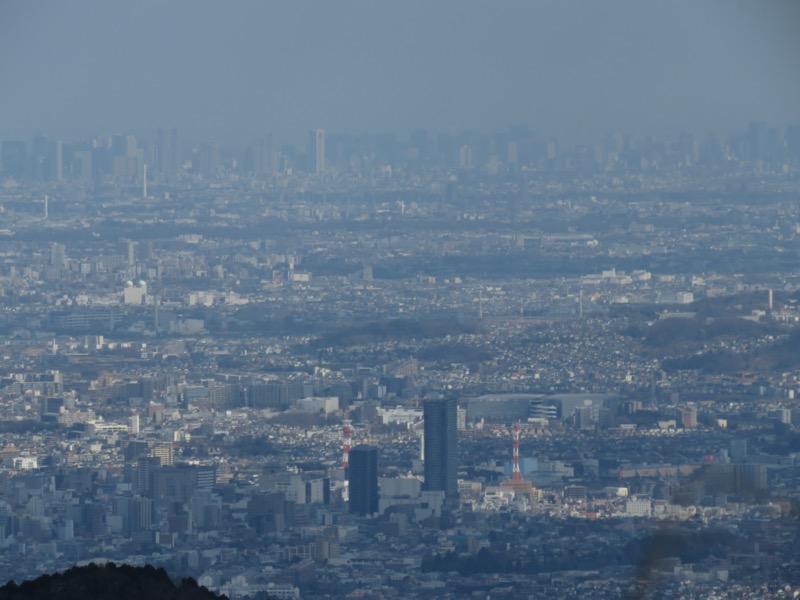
{"x":347,"y":440}
{"x":515,"y":474}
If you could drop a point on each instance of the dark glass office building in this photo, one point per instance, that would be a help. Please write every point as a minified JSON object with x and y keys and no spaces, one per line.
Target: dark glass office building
{"x":363,"y":480}
{"x":441,"y":446}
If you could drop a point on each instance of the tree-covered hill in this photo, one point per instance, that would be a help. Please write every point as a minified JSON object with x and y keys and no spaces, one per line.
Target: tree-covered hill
{"x":108,"y":581}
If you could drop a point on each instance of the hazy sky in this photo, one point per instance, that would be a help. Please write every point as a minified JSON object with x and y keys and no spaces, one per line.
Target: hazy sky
{"x":233,"y":70}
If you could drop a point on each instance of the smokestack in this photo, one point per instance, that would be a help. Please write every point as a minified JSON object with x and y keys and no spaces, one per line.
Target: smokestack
{"x":347,"y":440}
{"x":515,"y":472}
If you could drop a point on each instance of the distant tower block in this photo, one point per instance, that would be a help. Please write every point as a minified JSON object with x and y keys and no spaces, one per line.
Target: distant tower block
{"x":347,"y":440}
{"x":441,"y":447}
{"x":515,"y":473}
{"x":144,"y":181}
{"x":363,"y":497}
{"x":317,"y":150}
{"x":769,"y":300}
{"x":131,"y":252}
{"x":46,"y":207}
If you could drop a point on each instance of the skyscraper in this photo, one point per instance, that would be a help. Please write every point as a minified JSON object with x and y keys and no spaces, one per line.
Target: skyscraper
{"x":317,"y":150}
{"x":261,"y":157}
{"x":167,"y":155}
{"x":124,"y":156}
{"x":58,"y":254}
{"x":363,"y":480}
{"x":441,"y":446}
{"x":14,"y":156}
{"x":55,"y":161}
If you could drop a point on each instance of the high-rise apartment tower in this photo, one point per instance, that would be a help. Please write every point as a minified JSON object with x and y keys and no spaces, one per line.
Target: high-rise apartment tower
{"x":441,"y":446}
{"x":363,"y":473}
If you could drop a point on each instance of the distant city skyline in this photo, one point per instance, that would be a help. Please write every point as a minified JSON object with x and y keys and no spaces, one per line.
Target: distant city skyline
{"x":233,"y":72}
{"x":170,"y":156}
{"x":313,"y":137}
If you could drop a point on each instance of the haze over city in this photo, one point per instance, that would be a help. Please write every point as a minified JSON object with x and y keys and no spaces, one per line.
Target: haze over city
{"x":225,"y":71}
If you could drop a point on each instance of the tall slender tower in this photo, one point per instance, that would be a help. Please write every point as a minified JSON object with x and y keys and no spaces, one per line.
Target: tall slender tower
{"x":347,"y":440}
{"x":441,"y":446}
{"x":317,"y":150}
{"x":156,"y":306}
{"x":174,"y":152}
{"x":515,"y":473}
{"x":144,"y":181}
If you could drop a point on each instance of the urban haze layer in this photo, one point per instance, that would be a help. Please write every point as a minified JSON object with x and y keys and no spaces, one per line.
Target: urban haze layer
{"x":390,"y":366}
